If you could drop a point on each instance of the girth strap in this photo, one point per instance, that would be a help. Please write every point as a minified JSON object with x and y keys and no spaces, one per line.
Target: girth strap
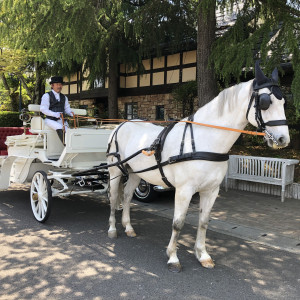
{"x":199,"y":155}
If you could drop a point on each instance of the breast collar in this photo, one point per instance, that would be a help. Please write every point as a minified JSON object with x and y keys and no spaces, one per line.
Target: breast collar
{"x":261,"y":125}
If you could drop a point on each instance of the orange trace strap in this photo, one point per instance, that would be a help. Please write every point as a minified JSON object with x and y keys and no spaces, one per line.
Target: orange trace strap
{"x":63,"y":120}
{"x":74,"y":120}
{"x":192,"y":122}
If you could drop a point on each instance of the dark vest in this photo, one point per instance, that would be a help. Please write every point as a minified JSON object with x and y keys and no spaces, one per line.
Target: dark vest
{"x":56,"y":106}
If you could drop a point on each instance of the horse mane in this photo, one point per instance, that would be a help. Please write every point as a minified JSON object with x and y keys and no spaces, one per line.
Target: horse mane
{"x":228,"y":99}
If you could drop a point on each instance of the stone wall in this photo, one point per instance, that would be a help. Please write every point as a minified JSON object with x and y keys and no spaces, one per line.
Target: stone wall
{"x":147,"y":106}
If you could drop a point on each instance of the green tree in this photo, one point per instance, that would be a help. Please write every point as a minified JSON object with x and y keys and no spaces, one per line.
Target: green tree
{"x":13,"y":65}
{"x":97,"y":35}
{"x":266,"y":30}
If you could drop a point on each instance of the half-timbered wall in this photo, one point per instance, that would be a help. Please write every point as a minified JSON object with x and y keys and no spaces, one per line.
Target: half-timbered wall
{"x":168,"y":69}
{"x":149,"y":91}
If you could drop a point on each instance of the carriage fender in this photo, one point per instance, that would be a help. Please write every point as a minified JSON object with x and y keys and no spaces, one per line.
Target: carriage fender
{"x":5,"y":172}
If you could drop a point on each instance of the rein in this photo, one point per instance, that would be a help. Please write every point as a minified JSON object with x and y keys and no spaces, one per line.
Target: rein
{"x":187,"y":121}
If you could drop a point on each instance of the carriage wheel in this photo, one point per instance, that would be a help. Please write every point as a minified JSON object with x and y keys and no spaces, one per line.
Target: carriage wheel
{"x":145,"y":192}
{"x":41,"y":196}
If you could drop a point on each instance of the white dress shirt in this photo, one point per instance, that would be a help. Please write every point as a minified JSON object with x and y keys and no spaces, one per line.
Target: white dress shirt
{"x":45,"y":103}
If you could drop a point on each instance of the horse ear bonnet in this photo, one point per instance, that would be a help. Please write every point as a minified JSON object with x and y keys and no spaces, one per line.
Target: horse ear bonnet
{"x":261,"y":79}
{"x":259,"y":75}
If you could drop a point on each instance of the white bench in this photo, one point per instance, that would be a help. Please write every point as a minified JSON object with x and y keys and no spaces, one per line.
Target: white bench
{"x":268,"y":170}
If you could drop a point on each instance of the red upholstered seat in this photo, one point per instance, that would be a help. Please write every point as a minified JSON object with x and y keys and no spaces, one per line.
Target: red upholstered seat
{"x":8,"y":131}
{"x":3,"y":152}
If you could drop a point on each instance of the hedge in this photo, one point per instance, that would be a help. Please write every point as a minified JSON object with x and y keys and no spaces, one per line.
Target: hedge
{"x":10,"y":119}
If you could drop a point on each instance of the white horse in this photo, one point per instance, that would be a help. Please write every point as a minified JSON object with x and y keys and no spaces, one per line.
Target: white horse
{"x":228,"y":109}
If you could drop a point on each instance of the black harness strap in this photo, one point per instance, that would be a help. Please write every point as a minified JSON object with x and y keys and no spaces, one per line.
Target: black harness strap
{"x":199,"y":155}
{"x":158,"y":146}
{"x":276,"y":123}
{"x":116,"y":154}
{"x":190,"y":125}
{"x":254,"y":94}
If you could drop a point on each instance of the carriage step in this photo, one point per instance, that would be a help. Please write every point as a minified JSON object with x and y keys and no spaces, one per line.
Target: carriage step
{"x":49,"y":161}
{"x":158,"y":188}
{"x":53,"y":159}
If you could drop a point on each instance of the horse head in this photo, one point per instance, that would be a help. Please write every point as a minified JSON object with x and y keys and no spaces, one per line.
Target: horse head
{"x":266,"y":109}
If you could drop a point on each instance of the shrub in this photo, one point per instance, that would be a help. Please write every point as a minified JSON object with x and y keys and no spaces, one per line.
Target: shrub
{"x":10,"y":119}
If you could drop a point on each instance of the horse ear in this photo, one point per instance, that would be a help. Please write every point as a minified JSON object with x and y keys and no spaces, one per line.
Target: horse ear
{"x":259,"y":75}
{"x":275,"y":75}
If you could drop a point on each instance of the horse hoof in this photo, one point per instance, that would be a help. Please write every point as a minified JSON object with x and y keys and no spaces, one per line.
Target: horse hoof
{"x":112,"y":234}
{"x":131,"y":233}
{"x":174,"y":267}
{"x":208,"y":264}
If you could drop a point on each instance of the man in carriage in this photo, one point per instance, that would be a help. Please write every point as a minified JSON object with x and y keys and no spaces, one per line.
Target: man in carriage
{"x":53,"y":104}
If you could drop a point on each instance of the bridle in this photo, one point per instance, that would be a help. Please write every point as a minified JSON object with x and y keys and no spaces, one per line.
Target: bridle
{"x":263,"y":102}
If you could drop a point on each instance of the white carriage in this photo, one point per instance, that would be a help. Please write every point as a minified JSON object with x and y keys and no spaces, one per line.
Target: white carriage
{"x":41,"y":158}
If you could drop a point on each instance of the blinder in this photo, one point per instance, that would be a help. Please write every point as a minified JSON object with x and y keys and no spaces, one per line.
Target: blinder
{"x":264,"y":101}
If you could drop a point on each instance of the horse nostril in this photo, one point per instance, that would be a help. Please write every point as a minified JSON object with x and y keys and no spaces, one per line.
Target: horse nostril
{"x":281,"y":140}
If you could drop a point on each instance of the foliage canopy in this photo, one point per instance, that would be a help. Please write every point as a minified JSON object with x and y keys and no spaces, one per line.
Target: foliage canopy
{"x":266,"y":30}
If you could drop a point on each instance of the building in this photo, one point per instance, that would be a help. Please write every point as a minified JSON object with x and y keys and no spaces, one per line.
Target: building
{"x":147,"y":95}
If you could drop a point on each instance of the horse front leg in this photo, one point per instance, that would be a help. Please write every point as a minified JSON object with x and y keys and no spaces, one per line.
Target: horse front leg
{"x":207,"y":200}
{"x":182,"y":200}
{"x":131,"y":184}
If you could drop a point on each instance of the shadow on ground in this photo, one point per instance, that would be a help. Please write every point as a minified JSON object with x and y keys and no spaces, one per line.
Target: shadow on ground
{"x":71,"y":257}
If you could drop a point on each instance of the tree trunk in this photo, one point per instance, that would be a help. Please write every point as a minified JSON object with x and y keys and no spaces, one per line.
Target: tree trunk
{"x":113,"y":86}
{"x":5,"y":83}
{"x":206,"y":81}
{"x":39,"y":88}
{"x":11,"y":93}
{"x":24,"y":83}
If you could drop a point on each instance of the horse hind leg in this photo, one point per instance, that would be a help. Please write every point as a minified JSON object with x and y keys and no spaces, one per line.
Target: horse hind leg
{"x":207,"y":200}
{"x":182,"y":200}
{"x":115,"y":188}
{"x":131,"y":184}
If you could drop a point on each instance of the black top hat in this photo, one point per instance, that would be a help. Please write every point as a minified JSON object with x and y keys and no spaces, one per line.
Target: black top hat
{"x":56,"y":79}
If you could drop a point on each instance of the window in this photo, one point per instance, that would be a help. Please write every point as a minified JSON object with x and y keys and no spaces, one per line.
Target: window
{"x":131,"y":111}
{"x":160,"y":112}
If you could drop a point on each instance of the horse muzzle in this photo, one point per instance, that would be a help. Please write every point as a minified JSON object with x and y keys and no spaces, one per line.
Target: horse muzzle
{"x":277,"y":141}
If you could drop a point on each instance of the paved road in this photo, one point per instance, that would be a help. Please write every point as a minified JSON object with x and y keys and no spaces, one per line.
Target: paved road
{"x":71,"y":257}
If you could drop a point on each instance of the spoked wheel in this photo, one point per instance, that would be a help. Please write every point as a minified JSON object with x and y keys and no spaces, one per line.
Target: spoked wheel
{"x":41,"y":196}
